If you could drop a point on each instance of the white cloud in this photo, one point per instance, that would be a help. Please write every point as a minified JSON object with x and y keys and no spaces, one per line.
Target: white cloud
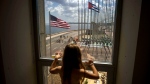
{"x":71,"y":3}
{"x":68,"y":9}
{"x":50,"y":9}
{"x":47,"y":5}
{"x":59,"y":9}
{"x":65,"y":12}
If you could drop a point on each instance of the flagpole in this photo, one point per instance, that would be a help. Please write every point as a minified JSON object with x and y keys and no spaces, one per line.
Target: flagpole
{"x":109,"y":18}
{"x":106,"y":15}
{"x":88,"y":23}
{"x":50,"y":33}
{"x":94,"y":28}
{"x":85,"y":22}
{"x":106,"y":29}
{"x":98,"y":18}
{"x":78,"y":19}
{"x":90,"y":42}
{"x":102,"y":26}
{"x":97,"y":30}
{"x":84,"y":19}
{"x":112,"y":20}
{"x":99,"y":23}
{"x":93,"y":34}
{"x":91,"y":25}
{"x":81,"y":19}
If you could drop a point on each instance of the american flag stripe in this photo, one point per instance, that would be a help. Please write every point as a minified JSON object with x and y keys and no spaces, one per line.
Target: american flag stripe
{"x":55,"y":22}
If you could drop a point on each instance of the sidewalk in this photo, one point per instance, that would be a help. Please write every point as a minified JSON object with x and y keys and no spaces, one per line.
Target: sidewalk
{"x":58,"y":34}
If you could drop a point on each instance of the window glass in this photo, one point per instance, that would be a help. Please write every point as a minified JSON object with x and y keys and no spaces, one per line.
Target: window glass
{"x":67,"y":21}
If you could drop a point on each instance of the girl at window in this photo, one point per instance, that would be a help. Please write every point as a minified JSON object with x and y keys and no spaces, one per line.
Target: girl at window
{"x":72,"y":70}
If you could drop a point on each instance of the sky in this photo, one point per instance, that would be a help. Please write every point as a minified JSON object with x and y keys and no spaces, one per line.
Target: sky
{"x":67,"y":10}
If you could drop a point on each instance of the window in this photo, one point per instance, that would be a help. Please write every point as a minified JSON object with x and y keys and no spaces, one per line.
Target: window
{"x":94,"y":23}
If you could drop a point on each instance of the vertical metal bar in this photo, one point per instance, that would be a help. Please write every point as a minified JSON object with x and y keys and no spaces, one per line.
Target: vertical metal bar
{"x":78,"y":19}
{"x":91,"y":25}
{"x":105,"y":33}
{"x":112,"y":20}
{"x":108,"y":13}
{"x":97,"y":30}
{"x":84,"y":20}
{"x":81,"y":19}
{"x":92,"y":35}
{"x":50,"y":33}
{"x":88,"y":23}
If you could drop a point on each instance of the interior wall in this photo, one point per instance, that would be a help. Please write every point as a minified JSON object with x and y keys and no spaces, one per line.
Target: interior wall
{"x":17,"y":42}
{"x":141,"y":66}
{"x":17,"y":47}
{"x":129,"y":33}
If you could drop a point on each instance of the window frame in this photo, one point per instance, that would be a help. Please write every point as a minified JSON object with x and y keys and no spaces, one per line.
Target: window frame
{"x":109,"y":68}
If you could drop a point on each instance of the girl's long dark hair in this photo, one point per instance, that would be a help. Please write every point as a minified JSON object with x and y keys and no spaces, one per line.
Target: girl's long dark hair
{"x":71,"y":60}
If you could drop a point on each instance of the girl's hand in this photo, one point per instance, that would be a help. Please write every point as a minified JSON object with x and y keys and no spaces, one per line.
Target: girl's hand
{"x":58,"y":55}
{"x":90,"y":59}
{"x":88,"y":63}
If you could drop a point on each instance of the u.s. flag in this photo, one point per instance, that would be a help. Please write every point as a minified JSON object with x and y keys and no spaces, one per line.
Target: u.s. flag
{"x":93,"y":7}
{"x":56,"y":22}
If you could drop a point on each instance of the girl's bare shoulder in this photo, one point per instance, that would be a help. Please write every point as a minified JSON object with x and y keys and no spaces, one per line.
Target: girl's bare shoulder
{"x":82,"y":70}
{"x":79,"y":70}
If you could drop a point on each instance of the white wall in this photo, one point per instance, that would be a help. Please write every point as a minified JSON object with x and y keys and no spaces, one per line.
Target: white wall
{"x":129,"y":33}
{"x":17,"y":41}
